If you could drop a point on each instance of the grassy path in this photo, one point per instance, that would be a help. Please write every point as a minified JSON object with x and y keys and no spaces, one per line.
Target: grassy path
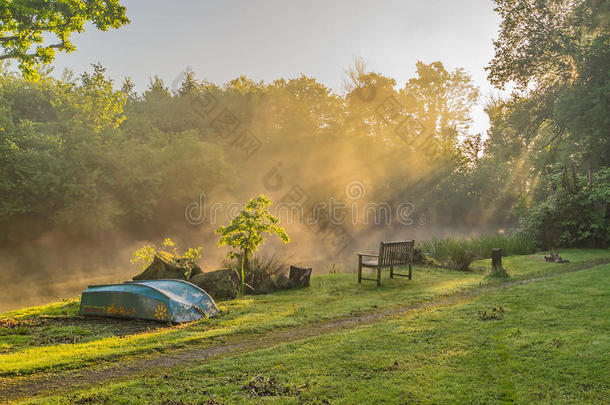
{"x":24,"y":387}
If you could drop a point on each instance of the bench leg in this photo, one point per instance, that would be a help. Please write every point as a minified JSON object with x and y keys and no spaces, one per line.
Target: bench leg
{"x":391,"y":271}
{"x":359,"y":269}
{"x":410,"y":272}
{"x":378,"y":276}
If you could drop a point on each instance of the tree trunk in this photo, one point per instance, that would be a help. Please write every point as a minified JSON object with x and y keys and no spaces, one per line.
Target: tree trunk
{"x":548,"y":175}
{"x":574,"y":179}
{"x":242,"y":281}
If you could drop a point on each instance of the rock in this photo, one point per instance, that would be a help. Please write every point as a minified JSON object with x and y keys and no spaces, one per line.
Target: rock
{"x":273,"y":283}
{"x":167,"y":266}
{"x":220,"y":284}
{"x":195,"y":270}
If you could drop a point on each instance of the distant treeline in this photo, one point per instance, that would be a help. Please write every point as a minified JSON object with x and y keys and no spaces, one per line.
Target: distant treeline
{"x":87,"y":157}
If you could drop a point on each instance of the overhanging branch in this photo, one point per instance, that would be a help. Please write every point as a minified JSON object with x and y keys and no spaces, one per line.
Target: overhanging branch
{"x":14,"y":55}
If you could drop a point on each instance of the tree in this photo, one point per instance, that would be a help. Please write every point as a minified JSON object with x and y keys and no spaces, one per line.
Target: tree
{"x":246,"y":231}
{"x":558,"y":52}
{"x":100,"y":105}
{"x":442,"y":102}
{"x":545,"y":41}
{"x":26,"y":25}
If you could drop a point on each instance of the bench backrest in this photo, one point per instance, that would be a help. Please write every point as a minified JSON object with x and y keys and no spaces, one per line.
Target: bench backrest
{"x":396,"y":253}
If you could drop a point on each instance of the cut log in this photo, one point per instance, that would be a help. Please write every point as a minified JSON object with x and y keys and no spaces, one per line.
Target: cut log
{"x":299,"y":277}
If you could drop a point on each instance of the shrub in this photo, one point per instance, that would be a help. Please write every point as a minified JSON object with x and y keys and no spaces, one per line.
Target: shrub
{"x":264,"y":274}
{"x":144,"y":256}
{"x":458,"y":253}
{"x":573,"y":216}
{"x":460,"y":258}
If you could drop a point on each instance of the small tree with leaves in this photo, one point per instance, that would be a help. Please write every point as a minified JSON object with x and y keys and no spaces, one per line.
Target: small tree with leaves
{"x":246,"y":231}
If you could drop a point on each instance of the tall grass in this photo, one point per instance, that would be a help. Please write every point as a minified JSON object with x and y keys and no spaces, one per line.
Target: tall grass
{"x":480,"y":247}
{"x":262,"y":272}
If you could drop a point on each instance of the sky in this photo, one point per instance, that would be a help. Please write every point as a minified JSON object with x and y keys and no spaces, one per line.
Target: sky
{"x":267,"y":39}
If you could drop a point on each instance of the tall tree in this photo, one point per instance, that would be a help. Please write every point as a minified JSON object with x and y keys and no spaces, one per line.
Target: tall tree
{"x":442,"y":102}
{"x":558,"y":53}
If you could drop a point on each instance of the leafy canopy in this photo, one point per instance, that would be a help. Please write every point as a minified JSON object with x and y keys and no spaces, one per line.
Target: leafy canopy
{"x":31,"y":31}
{"x":246,"y":231}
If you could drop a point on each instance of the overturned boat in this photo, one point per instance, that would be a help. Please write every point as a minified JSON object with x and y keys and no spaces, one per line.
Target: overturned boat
{"x":159,"y":300}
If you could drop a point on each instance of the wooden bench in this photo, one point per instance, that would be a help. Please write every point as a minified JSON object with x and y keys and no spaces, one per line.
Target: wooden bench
{"x":390,"y":254}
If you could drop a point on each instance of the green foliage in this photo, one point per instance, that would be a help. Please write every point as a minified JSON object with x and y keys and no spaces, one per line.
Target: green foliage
{"x":460,"y":258}
{"x":442,"y":101}
{"x":169,"y":245}
{"x":29,"y":25}
{"x":459,"y":253}
{"x":99,"y":105}
{"x":193,"y":254}
{"x":71,"y":159}
{"x":144,"y":256}
{"x":558,"y":54}
{"x":246,"y":232}
{"x":264,"y":274}
{"x":573,"y":215}
{"x":544,"y":41}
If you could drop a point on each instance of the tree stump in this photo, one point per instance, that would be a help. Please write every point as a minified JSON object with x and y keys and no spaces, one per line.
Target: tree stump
{"x":299,"y":276}
{"x":496,"y":258}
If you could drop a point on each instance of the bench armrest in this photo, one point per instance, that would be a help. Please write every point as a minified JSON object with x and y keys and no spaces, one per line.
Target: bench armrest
{"x":366,"y":254}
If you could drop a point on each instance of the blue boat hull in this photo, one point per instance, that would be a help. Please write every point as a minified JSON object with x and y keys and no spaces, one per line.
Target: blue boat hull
{"x":159,"y":300}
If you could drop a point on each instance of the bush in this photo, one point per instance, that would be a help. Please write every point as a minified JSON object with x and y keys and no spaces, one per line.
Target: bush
{"x":263,"y":274}
{"x":460,"y":258}
{"x":144,"y":256}
{"x":574,"y":216}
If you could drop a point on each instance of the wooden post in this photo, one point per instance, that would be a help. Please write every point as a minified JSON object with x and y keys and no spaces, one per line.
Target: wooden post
{"x":496,"y":258}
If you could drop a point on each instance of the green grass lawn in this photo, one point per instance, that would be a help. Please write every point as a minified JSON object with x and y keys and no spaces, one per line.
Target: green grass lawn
{"x":545,"y":342}
{"x":57,"y":340}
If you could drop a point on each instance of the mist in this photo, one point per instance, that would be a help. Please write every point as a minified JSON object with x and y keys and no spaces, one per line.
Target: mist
{"x":345,"y":171}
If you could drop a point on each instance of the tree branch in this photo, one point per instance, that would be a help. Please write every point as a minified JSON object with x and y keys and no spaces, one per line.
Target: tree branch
{"x":38,"y":29}
{"x":6,"y":39}
{"x":13,"y":55}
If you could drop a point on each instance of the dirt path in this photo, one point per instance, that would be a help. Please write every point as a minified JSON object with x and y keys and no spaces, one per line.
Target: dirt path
{"x":153,"y":365}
